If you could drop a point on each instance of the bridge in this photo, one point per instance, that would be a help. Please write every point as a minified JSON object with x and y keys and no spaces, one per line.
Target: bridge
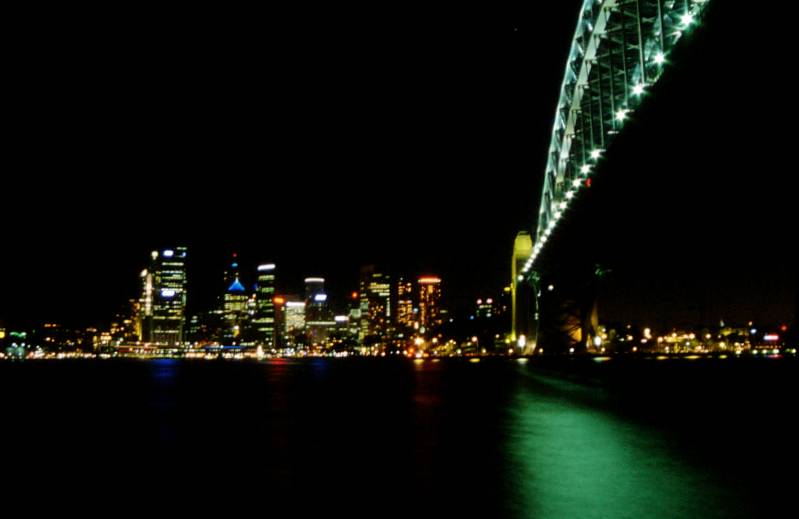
{"x":620,"y":51}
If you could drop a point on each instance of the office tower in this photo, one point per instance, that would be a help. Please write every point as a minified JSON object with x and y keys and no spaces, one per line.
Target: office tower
{"x":354,"y":315}
{"x":314,"y":287}
{"x":375,"y":295}
{"x":279,"y":328}
{"x":264,"y":322}
{"x":163,"y":302}
{"x":404,"y":312}
{"x":234,"y":304}
{"x":295,"y":323}
{"x":315,"y":302}
{"x":429,"y":303}
{"x":318,"y":317}
{"x":235,"y":311}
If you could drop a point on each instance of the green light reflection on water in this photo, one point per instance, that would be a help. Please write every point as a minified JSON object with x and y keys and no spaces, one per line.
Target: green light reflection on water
{"x":573,"y":460}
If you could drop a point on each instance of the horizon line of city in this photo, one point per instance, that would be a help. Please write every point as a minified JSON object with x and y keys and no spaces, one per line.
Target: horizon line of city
{"x":385,"y":316}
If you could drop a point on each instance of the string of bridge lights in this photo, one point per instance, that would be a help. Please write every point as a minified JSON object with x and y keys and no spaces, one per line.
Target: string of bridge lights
{"x":689,"y":18}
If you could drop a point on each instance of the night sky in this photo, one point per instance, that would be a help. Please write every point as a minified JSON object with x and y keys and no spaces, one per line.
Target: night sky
{"x":326,"y":139}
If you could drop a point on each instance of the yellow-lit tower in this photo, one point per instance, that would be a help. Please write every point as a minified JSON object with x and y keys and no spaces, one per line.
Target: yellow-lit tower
{"x":520,"y":318}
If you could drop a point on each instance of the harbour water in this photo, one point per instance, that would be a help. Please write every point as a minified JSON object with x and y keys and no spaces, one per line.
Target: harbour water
{"x":494,"y":438}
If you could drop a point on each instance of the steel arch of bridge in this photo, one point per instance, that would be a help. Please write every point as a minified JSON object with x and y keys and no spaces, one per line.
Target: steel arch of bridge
{"x":620,"y":49}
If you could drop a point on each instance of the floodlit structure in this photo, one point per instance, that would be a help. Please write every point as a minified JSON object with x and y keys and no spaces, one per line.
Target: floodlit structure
{"x":620,"y":49}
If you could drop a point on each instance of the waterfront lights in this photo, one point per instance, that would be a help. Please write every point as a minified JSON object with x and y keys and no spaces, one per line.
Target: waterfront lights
{"x":585,"y":169}
{"x":595,"y":154}
{"x":660,"y":58}
{"x":687,"y":19}
{"x":638,"y":89}
{"x":621,"y":115}
{"x":577,"y":182}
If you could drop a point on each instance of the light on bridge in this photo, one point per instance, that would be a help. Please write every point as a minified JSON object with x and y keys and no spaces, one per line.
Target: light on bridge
{"x":682,"y":16}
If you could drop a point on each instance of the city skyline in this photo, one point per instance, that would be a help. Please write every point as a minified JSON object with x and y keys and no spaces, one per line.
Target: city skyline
{"x":387,"y":315}
{"x":527,"y":259}
{"x":434,"y":168}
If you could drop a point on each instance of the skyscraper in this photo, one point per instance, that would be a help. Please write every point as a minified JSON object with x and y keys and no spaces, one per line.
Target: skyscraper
{"x":265,"y":306}
{"x":235,"y":311}
{"x":234,"y":305}
{"x":295,"y":323}
{"x":375,"y":294}
{"x":318,"y":318}
{"x":163,"y":302}
{"x":404,"y":313}
{"x":279,"y":303}
{"x":521,"y":318}
{"x":314,"y":287}
{"x":429,"y":303}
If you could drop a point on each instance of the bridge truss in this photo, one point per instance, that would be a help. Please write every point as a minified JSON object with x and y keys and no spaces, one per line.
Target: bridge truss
{"x":620,"y":49}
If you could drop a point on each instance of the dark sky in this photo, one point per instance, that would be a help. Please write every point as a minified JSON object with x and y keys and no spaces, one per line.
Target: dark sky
{"x":320,"y":139}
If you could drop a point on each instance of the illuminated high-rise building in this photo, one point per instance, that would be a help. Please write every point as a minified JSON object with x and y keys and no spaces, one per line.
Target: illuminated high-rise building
{"x":429,"y":302}
{"x":162,"y":305}
{"x":354,"y":315}
{"x":235,"y":311}
{"x":234,"y":304}
{"x":279,"y":305}
{"x":264,"y":321}
{"x":318,"y":317}
{"x":313,"y":287}
{"x":404,"y":313}
{"x":521,"y":318}
{"x":375,"y":295}
{"x":295,"y":323}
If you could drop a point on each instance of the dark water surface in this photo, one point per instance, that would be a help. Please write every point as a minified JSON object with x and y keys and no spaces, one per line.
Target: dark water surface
{"x":498,"y":438}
